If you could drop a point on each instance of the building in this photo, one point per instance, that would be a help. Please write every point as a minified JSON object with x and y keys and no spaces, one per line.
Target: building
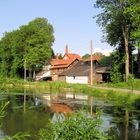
{"x":80,"y":73}
{"x":72,"y":69}
{"x":60,"y":65}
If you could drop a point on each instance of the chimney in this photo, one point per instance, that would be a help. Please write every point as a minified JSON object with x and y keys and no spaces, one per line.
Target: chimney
{"x":66,"y":49}
{"x":57,"y":56}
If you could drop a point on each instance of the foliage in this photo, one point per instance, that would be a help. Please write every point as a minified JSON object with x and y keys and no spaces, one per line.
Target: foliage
{"x":116,"y":26}
{"x":131,"y":81}
{"x":86,"y":56}
{"x":134,"y":10}
{"x":60,"y":56}
{"x":95,"y":54}
{"x":128,"y":85}
{"x":106,"y":60}
{"x":98,"y":54}
{"x":31,"y":42}
{"x":75,"y":127}
{"x":17,"y":136}
{"x":116,"y":73}
{"x":2,"y":109}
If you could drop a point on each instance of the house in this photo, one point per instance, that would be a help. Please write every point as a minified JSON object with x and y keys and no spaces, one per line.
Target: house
{"x":60,"y":65}
{"x":57,"y":66}
{"x":44,"y":74}
{"x":81,"y":71}
{"x":72,"y":69}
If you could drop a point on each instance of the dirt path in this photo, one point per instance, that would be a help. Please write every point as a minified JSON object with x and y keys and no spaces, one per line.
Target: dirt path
{"x":118,"y":89}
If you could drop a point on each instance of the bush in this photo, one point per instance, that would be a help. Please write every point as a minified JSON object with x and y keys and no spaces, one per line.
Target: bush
{"x":78,"y":126}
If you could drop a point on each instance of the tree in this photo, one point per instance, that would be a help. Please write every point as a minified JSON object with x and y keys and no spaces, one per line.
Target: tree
{"x":39,"y":39}
{"x":86,"y":56}
{"x":6,"y":57}
{"x":31,"y":42}
{"x":98,"y":54}
{"x":95,"y":54}
{"x":134,"y":10}
{"x":106,"y":60}
{"x":60,"y":56}
{"x":116,"y":25}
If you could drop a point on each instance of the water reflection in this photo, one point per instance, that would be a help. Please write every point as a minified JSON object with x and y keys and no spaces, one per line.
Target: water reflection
{"x":31,"y":112}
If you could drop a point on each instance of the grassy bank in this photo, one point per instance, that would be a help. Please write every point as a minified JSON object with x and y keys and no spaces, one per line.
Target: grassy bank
{"x":135,"y":84}
{"x":7,"y":83}
{"x":62,"y":87}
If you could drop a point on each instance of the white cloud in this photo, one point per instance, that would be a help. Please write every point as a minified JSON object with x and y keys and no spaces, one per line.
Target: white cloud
{"x":103,"y":51}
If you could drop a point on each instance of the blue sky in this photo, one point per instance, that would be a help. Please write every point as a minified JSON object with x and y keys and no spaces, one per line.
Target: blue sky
{"x":72,"y":21}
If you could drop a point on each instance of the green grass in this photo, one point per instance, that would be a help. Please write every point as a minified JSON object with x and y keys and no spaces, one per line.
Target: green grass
{"x":135,"y":84}
{"x":63,"y":87}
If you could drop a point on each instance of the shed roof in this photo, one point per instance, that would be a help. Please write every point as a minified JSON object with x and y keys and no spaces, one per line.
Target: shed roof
{"x":82,"y":68}
{"x":79,"y":69}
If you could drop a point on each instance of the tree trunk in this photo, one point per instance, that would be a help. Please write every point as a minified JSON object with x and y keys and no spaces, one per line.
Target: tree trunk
{"x":125,"y":35}
{"x":126,"y":124}
{"x":30,"y":73}
{"x":34,"y":75}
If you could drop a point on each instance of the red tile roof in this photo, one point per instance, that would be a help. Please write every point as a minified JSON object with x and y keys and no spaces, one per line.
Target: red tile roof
{"x":62,"y":64}
{"x":67,"y":59}
{"x":73,"y":56}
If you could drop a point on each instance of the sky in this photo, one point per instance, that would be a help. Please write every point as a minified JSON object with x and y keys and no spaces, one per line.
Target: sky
{"x":72,"y":20}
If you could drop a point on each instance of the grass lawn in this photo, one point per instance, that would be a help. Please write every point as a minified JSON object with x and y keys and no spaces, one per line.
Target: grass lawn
{"x":135,"y":84}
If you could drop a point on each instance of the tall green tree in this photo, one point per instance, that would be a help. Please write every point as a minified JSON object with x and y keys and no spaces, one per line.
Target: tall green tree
{"x":116,"y":25}
{"x":134,"y":11}
{"x":39,"y":39}
{"x":6,"y":57}
{"x":31,"y":42}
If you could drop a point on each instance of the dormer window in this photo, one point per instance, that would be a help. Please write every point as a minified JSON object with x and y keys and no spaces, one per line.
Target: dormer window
{"x":65,"y":57}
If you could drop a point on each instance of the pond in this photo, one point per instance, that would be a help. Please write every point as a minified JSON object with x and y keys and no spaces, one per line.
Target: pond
{"x":30,"y":111}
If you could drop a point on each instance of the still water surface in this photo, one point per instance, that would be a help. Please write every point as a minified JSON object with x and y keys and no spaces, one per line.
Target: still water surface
{"x":29,"y":112}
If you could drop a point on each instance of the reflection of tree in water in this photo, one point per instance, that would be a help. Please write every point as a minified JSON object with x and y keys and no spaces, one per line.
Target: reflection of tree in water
{"x":137,"y":105}
{"x":123,"y":118}
{"x":27,"y":112}
{"x":18,"y":120}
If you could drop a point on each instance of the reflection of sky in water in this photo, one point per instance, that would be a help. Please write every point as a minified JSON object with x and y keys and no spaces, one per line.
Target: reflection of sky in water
{"x":136,"y":124}
{"x":38,"y":109}
{"x":1,"y":134}
{"x":106,"y":120}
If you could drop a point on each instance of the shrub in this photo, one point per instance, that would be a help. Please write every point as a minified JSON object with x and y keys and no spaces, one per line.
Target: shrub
{"x":78,"y":126}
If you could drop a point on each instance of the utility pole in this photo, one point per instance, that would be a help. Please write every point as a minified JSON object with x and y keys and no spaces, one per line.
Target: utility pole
{"x":91,"y":71}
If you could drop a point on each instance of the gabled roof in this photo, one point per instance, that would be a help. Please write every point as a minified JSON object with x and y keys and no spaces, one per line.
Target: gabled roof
{"x":82,"y":68}
{"x":79,"y":69}
{"x":67,"y":59}
{"x":72,"y":56}
{"x":63,"y":64}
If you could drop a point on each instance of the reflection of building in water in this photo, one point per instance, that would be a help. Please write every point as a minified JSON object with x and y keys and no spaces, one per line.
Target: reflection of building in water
{"x":59,"y":107}
{"x":64,"y":102}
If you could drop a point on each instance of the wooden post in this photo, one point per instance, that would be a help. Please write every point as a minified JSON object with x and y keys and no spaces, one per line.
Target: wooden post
{"x":24,"y":105}
{"x":91,"y":71}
